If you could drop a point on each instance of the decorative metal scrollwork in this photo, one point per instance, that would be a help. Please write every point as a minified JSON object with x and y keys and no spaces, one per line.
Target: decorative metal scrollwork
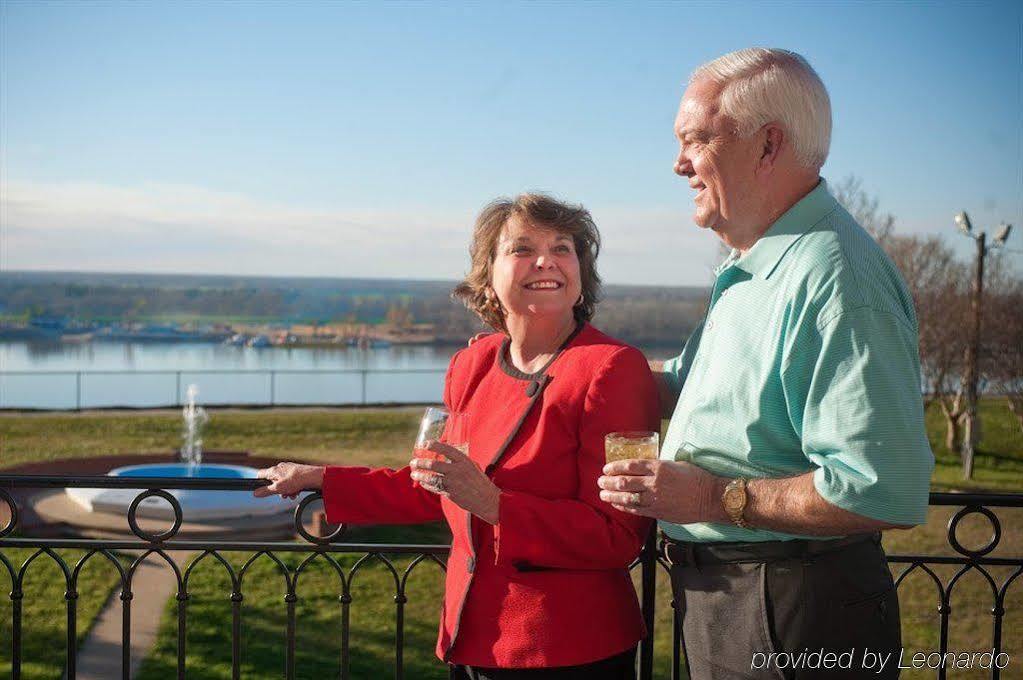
{"x":145,"y":535}
{"x":300,"y":526}
{"x":12,"y":523}
{"x":953,"y":526}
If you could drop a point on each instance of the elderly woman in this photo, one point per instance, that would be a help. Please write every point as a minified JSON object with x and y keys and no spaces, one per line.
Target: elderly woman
{"x":537,"y":584}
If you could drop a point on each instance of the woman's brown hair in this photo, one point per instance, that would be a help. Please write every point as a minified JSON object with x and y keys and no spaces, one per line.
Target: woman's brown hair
{"x":541,"y":211}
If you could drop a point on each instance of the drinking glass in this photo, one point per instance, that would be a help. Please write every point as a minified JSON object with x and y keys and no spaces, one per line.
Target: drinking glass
{"x":631,"y":445}
{"x":440,"y":425}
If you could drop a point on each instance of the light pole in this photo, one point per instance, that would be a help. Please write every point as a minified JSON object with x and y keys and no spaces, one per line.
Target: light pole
{"x":971,"y":374}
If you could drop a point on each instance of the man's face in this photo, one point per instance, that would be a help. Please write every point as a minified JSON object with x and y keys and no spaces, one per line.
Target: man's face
{"x":717,"y":163}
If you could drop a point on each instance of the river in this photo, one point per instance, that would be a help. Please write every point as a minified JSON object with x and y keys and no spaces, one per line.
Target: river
{"x":53,"y":375}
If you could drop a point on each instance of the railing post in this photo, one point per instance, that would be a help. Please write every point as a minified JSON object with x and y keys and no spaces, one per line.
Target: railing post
{"x":177,"y":388}
{"x":126,"y":597}
{"x":78,"y":391}
{"x":648,"y":580}
{"x":289,"y":650}
{"x":16,"y":597}
{"x":273,"y":386}
{"x":364,"y":372}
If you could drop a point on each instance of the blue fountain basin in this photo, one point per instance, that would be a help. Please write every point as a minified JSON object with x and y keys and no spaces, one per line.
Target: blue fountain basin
{"x":197,"y":505}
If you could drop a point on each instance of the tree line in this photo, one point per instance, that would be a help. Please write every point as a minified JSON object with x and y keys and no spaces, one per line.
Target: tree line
{"x":644,"y":315}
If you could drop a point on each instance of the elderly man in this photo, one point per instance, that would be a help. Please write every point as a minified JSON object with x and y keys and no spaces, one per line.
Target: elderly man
{"x":798,"y":431}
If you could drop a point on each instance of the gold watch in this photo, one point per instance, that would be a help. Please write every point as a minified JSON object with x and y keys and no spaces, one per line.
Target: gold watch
{"x":734,"y":501}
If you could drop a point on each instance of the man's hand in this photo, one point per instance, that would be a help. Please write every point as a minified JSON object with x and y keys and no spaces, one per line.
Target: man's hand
{"x":458,"y":478}
{"x":675,"y":492}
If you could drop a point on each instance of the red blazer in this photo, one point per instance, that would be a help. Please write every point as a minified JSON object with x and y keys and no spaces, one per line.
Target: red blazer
{"x":547,"y":585}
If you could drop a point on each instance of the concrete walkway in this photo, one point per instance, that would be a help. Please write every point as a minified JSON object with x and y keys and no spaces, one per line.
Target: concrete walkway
{"x":99,"y":657}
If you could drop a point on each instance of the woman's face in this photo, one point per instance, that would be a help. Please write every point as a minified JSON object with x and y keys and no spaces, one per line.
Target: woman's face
{"x":535,"y":271}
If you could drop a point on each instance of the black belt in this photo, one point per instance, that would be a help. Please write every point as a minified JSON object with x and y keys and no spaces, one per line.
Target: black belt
{"x":687,"y":553}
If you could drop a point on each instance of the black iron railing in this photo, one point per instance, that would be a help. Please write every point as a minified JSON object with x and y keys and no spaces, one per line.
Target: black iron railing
{"x":329,"y":546}
{"x":968,"y":560}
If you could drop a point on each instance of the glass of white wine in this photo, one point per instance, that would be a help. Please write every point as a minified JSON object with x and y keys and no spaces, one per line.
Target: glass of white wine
{"x":631,"y":445}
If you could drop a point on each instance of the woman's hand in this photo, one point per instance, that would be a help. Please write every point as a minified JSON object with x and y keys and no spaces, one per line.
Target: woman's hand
{"x":289,"y":479}
{"x":459,"y":479}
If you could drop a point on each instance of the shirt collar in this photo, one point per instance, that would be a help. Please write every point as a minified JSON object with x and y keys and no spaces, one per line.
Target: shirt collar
{"x":763,"y":258}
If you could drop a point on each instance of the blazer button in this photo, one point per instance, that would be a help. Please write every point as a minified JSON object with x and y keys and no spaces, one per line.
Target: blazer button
{"x":470,"y":564}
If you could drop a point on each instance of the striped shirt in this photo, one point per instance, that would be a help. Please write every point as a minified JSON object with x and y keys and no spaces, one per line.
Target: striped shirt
{"x":807,"y":360}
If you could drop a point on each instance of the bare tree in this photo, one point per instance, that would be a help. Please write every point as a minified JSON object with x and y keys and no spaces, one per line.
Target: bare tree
{"x":850,"y":193}
{"x":1001,"y":360}
{"x":938,"y":284}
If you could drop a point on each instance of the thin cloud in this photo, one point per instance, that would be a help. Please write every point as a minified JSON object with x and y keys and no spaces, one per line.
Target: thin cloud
{"x":158,"y":227}
{"x":156,"y":206}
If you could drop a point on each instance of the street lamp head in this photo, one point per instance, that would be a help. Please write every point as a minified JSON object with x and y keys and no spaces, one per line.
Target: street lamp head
{"x":963,"y":222}
{"x":1003,"y":233}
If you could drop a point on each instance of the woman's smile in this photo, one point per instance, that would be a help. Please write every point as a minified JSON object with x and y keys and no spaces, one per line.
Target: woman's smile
{"x":545,"y":284}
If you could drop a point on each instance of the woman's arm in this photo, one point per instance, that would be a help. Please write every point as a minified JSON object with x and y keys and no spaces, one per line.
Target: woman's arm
{"x":355,"y":495}
{"x":362,"y":495}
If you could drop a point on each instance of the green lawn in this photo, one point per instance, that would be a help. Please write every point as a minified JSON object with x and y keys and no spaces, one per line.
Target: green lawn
{"x":334,"y":436}
{"x":998,"y":462}
{"x":381,"y":437}
{"x":44,"y":608}
{"x":318,"y":621}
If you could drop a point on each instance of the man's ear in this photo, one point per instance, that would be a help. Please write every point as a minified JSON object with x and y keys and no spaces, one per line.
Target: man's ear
{"x":772,"y":140}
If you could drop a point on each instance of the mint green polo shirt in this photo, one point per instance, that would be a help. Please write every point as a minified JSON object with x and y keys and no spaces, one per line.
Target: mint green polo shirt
{"x":807,"y":360}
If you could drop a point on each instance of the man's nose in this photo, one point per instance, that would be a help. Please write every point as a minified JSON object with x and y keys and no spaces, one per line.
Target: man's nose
{"x":682,"y":165}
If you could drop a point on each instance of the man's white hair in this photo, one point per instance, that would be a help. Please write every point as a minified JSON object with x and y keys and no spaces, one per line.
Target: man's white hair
{"x":761,"y":85}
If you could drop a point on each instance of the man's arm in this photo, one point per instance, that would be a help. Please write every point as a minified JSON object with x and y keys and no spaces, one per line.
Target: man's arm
{"x":792,"y":505}
{"x":684,"y":494}
{"x":667,"y":388}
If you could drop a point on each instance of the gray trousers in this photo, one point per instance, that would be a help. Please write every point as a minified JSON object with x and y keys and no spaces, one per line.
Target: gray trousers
{"x":787,"y":610}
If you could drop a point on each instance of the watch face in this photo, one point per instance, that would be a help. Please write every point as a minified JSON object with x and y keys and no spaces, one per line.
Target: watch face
{"x":733,"y":499}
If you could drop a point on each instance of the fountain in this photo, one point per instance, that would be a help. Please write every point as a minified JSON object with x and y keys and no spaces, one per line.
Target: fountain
{"x":195,"y":417}
{"x":203,"y":510}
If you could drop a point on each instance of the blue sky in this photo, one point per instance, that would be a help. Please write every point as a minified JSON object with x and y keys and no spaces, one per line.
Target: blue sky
{"x":337,"y":139}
